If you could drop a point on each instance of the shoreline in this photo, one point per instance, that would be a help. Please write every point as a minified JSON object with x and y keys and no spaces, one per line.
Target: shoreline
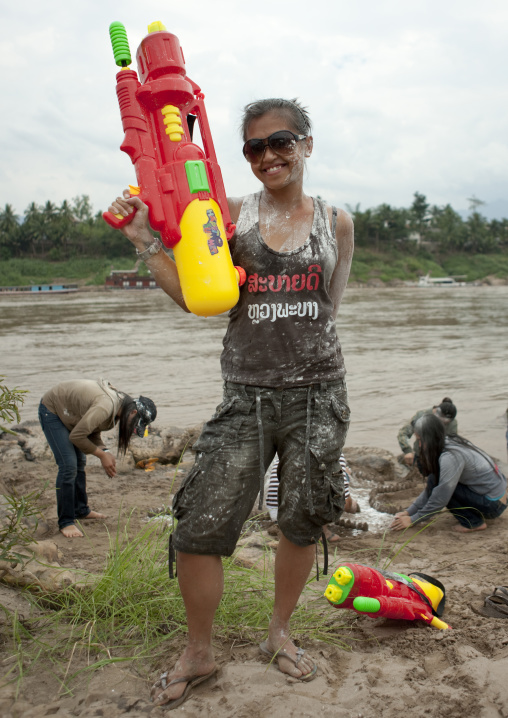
{"x":374,"y":283}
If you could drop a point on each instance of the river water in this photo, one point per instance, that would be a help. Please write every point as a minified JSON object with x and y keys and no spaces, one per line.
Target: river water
{"x":405,"y":349}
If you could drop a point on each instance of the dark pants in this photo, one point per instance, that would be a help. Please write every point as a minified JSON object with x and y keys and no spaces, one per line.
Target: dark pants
{"x":469,"y":508}
{"x":306,"y":426}
{"x":71,"y":498}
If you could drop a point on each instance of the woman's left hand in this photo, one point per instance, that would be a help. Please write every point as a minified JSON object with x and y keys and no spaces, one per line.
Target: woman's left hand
{"x":400,"y":522}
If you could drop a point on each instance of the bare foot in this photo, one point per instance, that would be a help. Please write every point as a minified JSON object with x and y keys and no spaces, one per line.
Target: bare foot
{"x":93,"y":515}
{"x":464,"y":530}
{"x":71,"y":531}
{"x":297,"y":665}
{"x":191,"y":664}
{"x":352,"y":506}
{"x":330,"y":536}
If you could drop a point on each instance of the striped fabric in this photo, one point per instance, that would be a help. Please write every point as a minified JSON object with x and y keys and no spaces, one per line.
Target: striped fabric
{"x":272,"y":493}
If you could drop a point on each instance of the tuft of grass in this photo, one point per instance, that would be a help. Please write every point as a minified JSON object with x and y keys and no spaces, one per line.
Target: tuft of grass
{"x":132,"y":613}
{"x":16,"y":533}
{"x":26,"y":650}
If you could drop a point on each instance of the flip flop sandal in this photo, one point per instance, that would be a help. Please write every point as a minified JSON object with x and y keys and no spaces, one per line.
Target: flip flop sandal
{"x":495,"y":605}
{"x":191,"y":681}
{"x":281,"y":653}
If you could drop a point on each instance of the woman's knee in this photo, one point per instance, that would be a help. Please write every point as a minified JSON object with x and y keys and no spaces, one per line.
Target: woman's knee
{"x":67,"y":473}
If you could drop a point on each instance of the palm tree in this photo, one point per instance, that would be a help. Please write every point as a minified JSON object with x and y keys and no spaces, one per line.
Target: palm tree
{"x":419,"y":214}
{"x":52,"y":236}
{"x":9,"y":231}
{"x":479,"y":237}
{"x":448,"y":227}
{"x":32,"y":228}
{"x":66,"y":224}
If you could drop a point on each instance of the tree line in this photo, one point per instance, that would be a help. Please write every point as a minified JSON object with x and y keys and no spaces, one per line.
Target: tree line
{"x":429,"y":226}
{"x":58,"y":233}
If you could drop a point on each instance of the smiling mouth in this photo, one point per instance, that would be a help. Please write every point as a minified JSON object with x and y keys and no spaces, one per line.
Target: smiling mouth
{"x":273,"y":170}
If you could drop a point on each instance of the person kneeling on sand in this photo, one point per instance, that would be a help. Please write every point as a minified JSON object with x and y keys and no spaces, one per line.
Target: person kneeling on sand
{"x":460,"y":477}
{"x":446,"y":412}
{"x":72,"y":415}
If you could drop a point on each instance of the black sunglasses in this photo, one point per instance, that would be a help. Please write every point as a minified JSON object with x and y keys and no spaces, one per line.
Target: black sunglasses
{"x":281,"y":142}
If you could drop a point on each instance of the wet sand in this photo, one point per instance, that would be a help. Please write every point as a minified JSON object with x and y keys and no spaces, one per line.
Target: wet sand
{"x":390,"y":667}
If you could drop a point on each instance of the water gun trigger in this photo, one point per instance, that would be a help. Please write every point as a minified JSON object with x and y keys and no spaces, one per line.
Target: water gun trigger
{"x":230,"y":229}
{"x":117,"y":221}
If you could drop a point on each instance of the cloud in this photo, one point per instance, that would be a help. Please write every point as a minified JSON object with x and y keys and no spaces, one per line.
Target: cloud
{"x":404,"y":96}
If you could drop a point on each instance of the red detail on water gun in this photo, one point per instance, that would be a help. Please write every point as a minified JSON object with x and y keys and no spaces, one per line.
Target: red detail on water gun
{"x":242,"y":275}
{"x":159,"y":161}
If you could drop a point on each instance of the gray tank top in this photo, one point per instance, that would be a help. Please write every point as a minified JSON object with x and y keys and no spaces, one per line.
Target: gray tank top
{"x":282,"y":333}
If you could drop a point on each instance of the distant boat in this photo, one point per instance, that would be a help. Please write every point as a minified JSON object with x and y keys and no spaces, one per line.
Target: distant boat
{"x":34,"y":289}
{"x":428,"y":281}
{"x":129,"y":279}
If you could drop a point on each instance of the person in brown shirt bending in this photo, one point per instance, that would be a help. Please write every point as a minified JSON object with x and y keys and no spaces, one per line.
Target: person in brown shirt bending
{"x":72,"y":415}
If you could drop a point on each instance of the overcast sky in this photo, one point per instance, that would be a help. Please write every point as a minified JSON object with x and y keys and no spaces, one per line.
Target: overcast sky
{"x":404,"y":96}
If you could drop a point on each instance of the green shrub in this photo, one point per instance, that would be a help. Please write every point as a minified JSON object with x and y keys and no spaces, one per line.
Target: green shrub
{"x":15,"y":532}
{"x":9,"y":404}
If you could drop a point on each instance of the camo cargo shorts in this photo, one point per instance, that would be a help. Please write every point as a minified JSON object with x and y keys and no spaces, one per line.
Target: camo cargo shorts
{"x":306,"y":426}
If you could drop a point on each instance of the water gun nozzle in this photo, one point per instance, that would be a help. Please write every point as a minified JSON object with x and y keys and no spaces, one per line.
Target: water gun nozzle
{"x":343,"y":575}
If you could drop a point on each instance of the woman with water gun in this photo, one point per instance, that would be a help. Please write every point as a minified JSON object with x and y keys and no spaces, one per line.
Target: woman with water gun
{"x":284,"y":389}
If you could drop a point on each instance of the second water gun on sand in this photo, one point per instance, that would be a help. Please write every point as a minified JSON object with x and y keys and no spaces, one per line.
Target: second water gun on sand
{"x":375,"y":593}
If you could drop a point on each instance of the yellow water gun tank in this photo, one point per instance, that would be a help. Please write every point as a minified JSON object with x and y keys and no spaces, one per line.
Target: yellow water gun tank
{"x":208,"y":279}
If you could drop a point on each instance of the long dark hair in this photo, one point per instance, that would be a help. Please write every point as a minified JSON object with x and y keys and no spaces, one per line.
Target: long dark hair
{"x":431,"y":432}
{"x":126,"y":423}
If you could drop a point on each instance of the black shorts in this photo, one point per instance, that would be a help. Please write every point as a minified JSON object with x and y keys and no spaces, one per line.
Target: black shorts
{"x":306,"y":426}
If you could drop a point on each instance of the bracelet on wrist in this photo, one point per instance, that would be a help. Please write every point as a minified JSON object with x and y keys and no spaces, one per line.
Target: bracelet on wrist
{"x":155,"y":247}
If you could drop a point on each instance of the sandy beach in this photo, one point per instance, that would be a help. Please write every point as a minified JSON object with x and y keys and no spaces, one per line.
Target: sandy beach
{"x":386,"y":667}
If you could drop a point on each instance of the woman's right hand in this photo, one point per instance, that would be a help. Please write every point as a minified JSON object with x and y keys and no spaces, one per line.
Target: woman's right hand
{"x":401,"y":521}
{"x":138,"y":230}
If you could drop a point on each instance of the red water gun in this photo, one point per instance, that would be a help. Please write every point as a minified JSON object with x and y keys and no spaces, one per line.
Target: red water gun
{"x":179,"y":181}
{"x":392,"y":595}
